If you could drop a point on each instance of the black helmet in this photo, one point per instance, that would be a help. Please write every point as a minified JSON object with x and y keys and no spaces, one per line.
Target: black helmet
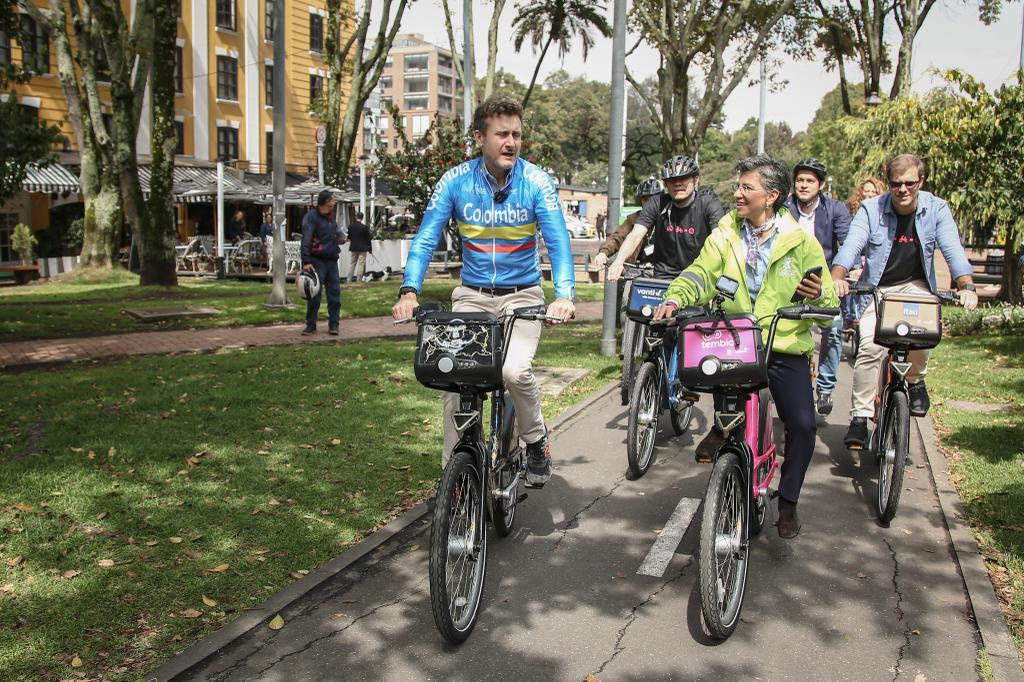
{"x":813,"y":165}
{"x":679,"y":167}
{"x":648,"y":188}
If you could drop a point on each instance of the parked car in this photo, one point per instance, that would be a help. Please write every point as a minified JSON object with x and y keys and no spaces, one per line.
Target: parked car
{"x":578,"y":228}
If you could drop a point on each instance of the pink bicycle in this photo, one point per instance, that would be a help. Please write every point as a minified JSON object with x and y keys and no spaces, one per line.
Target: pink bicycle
{"x":723,"y":353}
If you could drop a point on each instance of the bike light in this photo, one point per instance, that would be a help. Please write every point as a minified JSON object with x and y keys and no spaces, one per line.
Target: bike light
{"x":710,"y":366}
{"x":902,"y":329}
{"x":647,"y":311}
{"x":445,"y":364}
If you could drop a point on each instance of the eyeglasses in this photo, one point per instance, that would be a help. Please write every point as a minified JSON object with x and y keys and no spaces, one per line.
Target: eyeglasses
{"x":909,"y":184}
{"x":745,"y":189}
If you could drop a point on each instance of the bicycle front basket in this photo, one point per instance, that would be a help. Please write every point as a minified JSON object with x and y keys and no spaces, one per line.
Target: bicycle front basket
{"x":645,"y":295}
{"x":712,"y":355}
{"x":908,"y":320}
{"x":459,"y":350}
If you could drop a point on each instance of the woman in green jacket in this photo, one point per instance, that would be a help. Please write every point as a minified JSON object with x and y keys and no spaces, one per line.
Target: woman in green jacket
{"x":762,"y":247}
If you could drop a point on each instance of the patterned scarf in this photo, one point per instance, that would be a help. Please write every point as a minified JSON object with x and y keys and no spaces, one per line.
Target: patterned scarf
{"x":750,"y":235}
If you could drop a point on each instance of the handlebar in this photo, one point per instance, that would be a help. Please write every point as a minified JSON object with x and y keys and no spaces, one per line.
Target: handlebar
{"x":863,"y":288}
{"x":807,"y":312}
{"x":533,"y":312}
{"x":631,"y":271}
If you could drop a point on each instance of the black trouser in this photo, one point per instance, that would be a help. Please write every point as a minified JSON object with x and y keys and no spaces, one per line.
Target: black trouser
{"x":789,"y":380}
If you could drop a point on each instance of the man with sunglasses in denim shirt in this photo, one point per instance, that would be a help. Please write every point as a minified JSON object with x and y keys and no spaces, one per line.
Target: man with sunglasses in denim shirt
{"x":898,"y":231}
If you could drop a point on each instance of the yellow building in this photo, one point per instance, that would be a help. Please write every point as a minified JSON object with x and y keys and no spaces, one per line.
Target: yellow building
{"x":224,"y":102}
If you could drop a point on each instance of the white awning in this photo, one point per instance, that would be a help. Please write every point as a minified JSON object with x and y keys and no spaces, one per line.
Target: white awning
{"x":48,"y":179}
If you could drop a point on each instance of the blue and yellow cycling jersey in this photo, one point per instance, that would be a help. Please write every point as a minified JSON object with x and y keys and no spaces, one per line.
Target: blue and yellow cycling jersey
{"x":499,"y":239}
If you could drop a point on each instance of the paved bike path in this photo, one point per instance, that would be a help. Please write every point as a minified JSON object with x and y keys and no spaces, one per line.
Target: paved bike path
{"x":848,"y":599}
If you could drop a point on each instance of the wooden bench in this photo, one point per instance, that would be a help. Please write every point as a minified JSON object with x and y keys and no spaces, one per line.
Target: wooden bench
{"x":23,"y":274}
{"x":580,"y":261}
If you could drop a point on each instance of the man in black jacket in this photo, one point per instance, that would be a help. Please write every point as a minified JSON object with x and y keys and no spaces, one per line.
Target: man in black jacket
{"x":320,"y":250}
{"x":358,"y":246}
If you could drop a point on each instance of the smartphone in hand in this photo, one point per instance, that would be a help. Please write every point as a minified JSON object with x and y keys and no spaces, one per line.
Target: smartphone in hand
{"x":810,"y":271}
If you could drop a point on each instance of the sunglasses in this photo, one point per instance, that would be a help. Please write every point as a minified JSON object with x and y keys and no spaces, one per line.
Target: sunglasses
{"x":909,"y":184}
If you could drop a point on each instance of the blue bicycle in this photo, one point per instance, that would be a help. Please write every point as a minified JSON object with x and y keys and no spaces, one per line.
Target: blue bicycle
{"x":656,"y":387}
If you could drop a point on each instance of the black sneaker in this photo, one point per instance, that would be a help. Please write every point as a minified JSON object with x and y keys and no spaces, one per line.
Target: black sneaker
{"x":538,"y":463}
{"x":309,"y":331}
{"x":857,"y":436}
{"x":333,"y":331}
{"x":824,"y":403}
{"x":919,"y":402}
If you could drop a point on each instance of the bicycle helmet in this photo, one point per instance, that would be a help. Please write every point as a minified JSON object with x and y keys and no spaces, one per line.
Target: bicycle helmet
{"x":813,"y":165}
{"x":648,"y":188}
{"x":308,"y":284}
{"x":679,"y":167}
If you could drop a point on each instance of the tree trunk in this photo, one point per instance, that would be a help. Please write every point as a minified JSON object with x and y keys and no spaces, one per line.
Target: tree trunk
{"x":160,"y":231}
{"x":492,"y":47}
{"x":102,"y":229}
{"x":1012,"y":288}
{"x":536,"y":70}
{"x":908,"y":26}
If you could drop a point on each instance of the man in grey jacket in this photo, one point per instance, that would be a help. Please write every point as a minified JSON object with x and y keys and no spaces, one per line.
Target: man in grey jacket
{"x":898,"y":231}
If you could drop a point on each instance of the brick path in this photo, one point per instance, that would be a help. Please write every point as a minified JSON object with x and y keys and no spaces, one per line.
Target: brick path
{"x":55,"y":351}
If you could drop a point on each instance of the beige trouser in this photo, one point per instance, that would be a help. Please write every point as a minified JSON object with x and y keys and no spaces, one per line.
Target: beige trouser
{"x":870,"y":356}
{"x":357,"y":265}
{"x":520,"y":382}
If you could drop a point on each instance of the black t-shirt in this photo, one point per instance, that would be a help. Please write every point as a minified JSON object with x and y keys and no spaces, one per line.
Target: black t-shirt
{"x":904,"y":264}
{"x":679,"y":233}
{"x":359,"y":238}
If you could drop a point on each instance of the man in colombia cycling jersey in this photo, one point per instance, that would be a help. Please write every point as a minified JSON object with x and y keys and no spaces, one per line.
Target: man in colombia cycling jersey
{"x":499,"y":202}
{"x":679,"y":221}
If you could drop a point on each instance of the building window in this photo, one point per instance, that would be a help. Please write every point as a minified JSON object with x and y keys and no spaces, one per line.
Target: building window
{"x":316,"y":33}
{"x":227,"y":78}
{"x":7,"y":223}
{"x":270,"y":149}
{"x":444,"y":85}
{"x":385,"y":103}
{"x":268,"y":19}
{"x":226,"y":14}
{"x":227,"y":143}
{"x":179,"y":137}
{"x":316,"y":86}
{"x":5,"y":49}
{"x":268,"y":84}
{"x":29,"y":115}
{"x":386,"y":82}
{"x":389,"y":61}
{"x":179,"y":70}
{"x":444,"y":104}
{"x":416,"y":85}
{"x":444,"y":62}
{"x":382,"y":123}
{"x":420,"y":124}
{"x":35,"y":45}
{"x":416,"y":62}
{"x":416,"y":102}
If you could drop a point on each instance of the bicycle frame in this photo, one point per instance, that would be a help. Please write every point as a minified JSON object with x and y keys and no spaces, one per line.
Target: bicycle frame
{"x":661,"y":350}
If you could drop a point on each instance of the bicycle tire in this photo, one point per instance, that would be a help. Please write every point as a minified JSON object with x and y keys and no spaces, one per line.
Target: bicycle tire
{"x":509,"y":464}
{"x":644,"y":410}
{"x":457,"y":508}
{"x":893,"y":448}
{"x":723,"y":558}
{"x":630,"y":336}
{"x":680,"y":417}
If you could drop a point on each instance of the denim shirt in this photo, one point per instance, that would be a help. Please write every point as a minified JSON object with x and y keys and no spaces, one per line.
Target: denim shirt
{"x":755,"y":275}
{"x":874,"y":227}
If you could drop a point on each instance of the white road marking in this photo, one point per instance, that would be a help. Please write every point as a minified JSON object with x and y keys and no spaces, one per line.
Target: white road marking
{"x":665,"y":546}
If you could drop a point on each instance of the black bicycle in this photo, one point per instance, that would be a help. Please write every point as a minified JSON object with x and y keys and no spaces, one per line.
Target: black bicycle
{"x":904,"y":322}
{"x":462,"y":352}
{"x":633,"y":332}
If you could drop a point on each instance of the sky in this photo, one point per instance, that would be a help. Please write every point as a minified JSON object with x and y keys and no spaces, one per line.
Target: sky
{"x":952,"y":36}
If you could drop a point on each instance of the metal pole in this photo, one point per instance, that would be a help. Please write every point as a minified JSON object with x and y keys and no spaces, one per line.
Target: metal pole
{"x":467,"y":64}
{"x":220,"y":208}
{"x":615,"y":135}
{"x":320,"y":163}
{"x":362,"y":185}
{"x":764,"y":106}
{"x":1022,"y":43}
{"x":279,"y":290}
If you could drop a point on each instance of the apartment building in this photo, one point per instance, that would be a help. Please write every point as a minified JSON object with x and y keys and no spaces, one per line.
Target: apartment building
{"x":419,"y":78}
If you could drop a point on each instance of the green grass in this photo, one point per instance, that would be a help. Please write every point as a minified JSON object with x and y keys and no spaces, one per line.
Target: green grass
{"x":264,"y":463}
{"x":94,"y":303}
{"x":986,"y":452}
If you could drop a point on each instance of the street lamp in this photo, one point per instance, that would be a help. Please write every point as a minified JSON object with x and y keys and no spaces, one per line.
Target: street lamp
{"x":872,"y":100}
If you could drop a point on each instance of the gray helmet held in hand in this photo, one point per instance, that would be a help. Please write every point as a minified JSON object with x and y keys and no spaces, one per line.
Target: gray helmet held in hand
{"x":679,"y":167}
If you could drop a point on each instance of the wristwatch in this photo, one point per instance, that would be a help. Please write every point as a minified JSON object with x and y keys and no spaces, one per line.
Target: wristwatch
{"x":407,"y":290}
{"x":968,"y":287}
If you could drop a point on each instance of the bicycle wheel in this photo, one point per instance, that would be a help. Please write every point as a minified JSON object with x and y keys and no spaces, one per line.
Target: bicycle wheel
{"x":632,"y":336}
{"x":680,"y":415}
{"x":457,"y":564}
{"x":509,"y":465}
{"x":893,"y":448}
{"x":722,"y":563}
{"x":644,"y":409}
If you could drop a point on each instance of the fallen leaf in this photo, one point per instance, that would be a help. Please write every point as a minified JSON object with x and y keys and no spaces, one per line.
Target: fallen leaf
{"x":76,"y":450}
{"x":273,"y":502}
{"x":101,"y":516}
{"x":276,"y":623}
{"x":71,"y":574}
{"x":915,"y":631}
{"x":23,"y":507}
{"x":6,"y":589}
{"x":335,"y":441}
{"x":15,"y":561}
{"x":76,"y":662}
{"x":152,"y":543}
{"x":208,"y":601}
{"x":862,"y":575}
{"x":906,"y":532}
{"x":920,"y":678}
{"x":306,"y":446}
{"x":218,"y":569}
{"x":174,"y":540}
{"x":262,"y":453}
{"x":414,"y":548}
{"x":56,"y":493}
{"x":191,"y":613}
{"x":105,"y":563}
{"x":402,"y":468}
{"x":591,"y":678}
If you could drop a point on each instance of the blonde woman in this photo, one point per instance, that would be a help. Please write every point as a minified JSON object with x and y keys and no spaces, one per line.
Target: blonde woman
{"x":868,"y":187}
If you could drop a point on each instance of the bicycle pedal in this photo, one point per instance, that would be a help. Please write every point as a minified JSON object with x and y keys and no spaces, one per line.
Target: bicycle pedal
{"x":522,"y":498}
{"x":535,"y":486}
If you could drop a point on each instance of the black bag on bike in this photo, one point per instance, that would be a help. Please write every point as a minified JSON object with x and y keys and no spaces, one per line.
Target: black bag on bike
{"x":714,"y":354}
{"x":908,"y":320}
{"x":457,"y":350}
{"x":644,"y":296}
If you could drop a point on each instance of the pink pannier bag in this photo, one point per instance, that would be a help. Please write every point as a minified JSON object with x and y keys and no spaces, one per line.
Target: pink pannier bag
{"x":716,"y":353}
